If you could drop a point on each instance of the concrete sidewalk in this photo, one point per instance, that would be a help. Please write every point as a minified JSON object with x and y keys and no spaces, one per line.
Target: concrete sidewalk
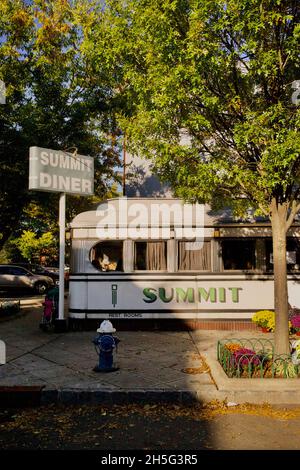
{"x":154,"y":366}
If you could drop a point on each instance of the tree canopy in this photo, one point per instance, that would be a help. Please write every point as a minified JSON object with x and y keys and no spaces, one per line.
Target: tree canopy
{"x":220,"y":73}
{"x":32,"y":247}
{"x":51,"y":101}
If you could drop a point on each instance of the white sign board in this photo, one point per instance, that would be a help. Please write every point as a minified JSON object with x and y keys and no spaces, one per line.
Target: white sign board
{"x":58,"y":171}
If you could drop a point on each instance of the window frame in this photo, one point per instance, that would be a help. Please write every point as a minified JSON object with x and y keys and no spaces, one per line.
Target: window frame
{"x":207,"y":240}
{"x":289,"y":271}
{"x":135,"y":242}
{"x":108,"y":271}
{"x":254,"y":270}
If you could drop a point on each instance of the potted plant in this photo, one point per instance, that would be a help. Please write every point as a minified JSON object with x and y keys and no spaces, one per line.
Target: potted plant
{"x":265,"y":319}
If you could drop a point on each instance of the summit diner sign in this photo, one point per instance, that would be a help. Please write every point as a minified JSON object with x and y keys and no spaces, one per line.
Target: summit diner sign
{"x":63,"y":172}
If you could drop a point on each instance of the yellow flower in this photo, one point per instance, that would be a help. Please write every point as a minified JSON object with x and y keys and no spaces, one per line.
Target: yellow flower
{"x":271,"y":324}
{"x":262,"y":317}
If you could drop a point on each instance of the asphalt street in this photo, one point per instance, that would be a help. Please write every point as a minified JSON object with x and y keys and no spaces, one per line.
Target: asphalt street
{"x":151,"y":427}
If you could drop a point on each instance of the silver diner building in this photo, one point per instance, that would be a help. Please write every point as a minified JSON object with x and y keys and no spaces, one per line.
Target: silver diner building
{"x":129,"y":276}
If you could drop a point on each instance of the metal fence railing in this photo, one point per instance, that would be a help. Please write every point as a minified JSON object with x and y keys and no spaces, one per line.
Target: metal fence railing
{"x":254,"y":358}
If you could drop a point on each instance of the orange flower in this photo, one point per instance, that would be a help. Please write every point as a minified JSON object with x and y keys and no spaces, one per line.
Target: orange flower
{"x":233,"y":347}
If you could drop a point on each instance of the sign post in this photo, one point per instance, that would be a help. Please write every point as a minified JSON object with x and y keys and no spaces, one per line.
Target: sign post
{"x":65,"y":173}
{"x":62,"y":243}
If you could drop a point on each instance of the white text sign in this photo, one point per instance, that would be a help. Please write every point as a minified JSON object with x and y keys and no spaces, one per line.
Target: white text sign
{"x":57,"y":171}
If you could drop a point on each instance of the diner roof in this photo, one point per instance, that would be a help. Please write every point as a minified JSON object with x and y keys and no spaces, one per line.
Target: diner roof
{"x":112,"y":212}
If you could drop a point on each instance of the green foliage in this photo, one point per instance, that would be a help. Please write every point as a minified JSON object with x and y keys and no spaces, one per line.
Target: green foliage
{"x":52,"y":101}
{"x":285,"y":369}
{"x":6,"y":254}
{"x":222,"y":72}
{"x":32,"y":247}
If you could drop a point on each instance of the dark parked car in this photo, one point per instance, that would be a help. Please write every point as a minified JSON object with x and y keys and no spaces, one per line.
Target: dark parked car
{"x":66,"y":274}
{"x":41,"y":270}
{"x":17,"y":277}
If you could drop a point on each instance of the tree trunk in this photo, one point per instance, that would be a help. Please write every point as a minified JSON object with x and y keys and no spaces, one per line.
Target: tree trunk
{"x":278,"y":220}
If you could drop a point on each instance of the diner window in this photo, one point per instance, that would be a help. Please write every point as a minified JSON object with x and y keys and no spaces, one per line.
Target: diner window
{"x":107,"y":256}
{"x":150,"y":256}
{"x":238,"y":254}
{"x":198,"y":259}
{"x":292,"y":255}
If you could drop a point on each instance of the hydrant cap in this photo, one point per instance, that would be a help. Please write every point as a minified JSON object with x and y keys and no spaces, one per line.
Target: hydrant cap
{"x":106,"y":327}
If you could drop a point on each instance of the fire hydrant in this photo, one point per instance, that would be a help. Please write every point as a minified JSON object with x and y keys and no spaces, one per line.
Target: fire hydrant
{"x":105,"y":343}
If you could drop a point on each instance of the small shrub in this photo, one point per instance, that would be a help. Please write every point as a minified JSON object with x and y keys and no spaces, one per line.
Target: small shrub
{"x":262,"y":318}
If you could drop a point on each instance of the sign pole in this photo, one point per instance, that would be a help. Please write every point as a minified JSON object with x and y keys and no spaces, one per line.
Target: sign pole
{"x":61,"y":172}
{"x":62,"y":238}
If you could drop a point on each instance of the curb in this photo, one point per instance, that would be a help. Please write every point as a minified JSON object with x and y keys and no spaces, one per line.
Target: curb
{"x":20,"y":397}
{"x":258,"y":391}
{"x":29,"y":396}
{"x":122,"y":397}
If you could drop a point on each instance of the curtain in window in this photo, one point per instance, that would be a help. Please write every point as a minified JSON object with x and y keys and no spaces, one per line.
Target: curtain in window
{"x":156,"y":256}
{"x":194,"y":260}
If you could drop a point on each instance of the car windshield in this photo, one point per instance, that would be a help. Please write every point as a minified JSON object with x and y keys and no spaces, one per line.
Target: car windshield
{"x":38,"y":269}
{"x":18,"y":271}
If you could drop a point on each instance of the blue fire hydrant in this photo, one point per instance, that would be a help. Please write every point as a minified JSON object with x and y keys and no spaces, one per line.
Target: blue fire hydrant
{"x":105,"y":344}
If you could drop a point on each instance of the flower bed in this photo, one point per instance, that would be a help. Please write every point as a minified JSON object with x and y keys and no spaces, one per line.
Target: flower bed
{"x":254,"y":358}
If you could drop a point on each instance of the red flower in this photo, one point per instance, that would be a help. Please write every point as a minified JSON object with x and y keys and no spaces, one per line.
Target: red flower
{"x":295,"y":321}
{"x":244,"y":357}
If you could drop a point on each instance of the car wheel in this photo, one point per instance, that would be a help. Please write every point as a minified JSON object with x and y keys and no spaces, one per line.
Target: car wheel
{"x":40,"y":287}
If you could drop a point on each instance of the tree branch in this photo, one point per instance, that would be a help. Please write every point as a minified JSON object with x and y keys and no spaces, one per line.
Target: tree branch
{"x":295,"y":208}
